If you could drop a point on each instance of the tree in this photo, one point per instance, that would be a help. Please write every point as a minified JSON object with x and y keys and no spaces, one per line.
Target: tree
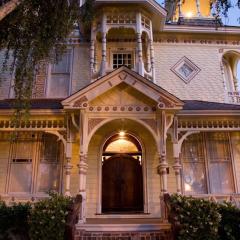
{"x":32,"y":31}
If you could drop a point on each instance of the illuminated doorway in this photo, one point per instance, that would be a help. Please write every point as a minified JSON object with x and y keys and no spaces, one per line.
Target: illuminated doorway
{"x":122,"y":175}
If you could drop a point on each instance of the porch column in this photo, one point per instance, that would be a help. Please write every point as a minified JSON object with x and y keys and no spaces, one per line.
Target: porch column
{"x":68,"y":167}
{"x":104,"y":46}
{"x":177,"y":169}
{"x":92,"y":51}
{"x":139,"y":44}
{"x":83,"y":166}
{"x":68,"y":153}
{"x":180,"y":8}
{"x":163,"y":165}
{"x":152,"y":53}
{"x":198,"y":8}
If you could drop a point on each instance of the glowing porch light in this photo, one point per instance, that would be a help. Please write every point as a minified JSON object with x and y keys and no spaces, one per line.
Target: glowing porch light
{"x":189,"y":14}
{"x":122,"y":133}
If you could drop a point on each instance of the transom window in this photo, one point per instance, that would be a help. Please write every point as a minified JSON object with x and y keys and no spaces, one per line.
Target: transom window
{"x":122,"y":59}
{"x":207,"y":164}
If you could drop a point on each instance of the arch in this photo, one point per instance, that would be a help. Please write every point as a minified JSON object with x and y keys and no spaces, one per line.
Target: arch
{"x":122,"y":174}
{"x":154,"y":134}
{"x":100,"y":137}
{"x":230,"y":61}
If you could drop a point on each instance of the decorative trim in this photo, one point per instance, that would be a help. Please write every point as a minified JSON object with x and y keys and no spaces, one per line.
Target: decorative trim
{"x":124,"y":108}
{"x":215,"y":125}
{"x":93,"y":122}
{"x":82,"y":102}
{"x":151,"y":123}
{"x":185,"y":69}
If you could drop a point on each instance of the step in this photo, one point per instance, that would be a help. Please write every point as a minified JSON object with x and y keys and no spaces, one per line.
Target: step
{"x":123,"y":229}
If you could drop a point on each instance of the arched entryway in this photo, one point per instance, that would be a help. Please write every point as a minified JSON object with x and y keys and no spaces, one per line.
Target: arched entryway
{"x":122,"y":175}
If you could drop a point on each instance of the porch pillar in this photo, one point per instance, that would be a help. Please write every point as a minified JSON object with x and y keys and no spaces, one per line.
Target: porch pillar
{"x":83,"y":166}
{"x":198,"y":8}
{"x":177,"y":169}
{"x":68,"y":153}
{"x":152,"y":52}
{"x":92,"y":51}
{"x":139,"y":44}
{"x":104,"y":46}
{"x":68,"y":167}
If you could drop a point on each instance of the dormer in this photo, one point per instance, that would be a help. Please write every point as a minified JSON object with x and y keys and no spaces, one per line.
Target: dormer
{"x":122,"y":34}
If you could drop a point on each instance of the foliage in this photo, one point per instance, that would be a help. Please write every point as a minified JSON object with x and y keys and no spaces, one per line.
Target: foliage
{"x":229,"y":228}
{"x":48,"y":218}
{"x":30,"y":34}
{"x":14,"y":220}
{"x":199,"y":219}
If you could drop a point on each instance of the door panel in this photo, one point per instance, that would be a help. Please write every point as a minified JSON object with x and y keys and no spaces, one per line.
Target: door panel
{"x":122,"y":184}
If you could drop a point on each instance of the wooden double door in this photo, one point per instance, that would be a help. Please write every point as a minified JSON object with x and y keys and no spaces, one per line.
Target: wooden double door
{"x":122,"y":185}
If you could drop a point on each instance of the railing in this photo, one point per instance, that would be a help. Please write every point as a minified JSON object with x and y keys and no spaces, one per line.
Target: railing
{"x":234,"y":97}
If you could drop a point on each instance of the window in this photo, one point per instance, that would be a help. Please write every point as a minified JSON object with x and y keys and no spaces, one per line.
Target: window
{"x":59,"y":80}
{"x":231,"y":68}
{"x":35,"y":164}
{"x":207,"y":164}
{"x":122,"y":59}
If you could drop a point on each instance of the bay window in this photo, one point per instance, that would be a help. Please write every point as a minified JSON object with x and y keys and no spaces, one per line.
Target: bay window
{"x":207,"y":164}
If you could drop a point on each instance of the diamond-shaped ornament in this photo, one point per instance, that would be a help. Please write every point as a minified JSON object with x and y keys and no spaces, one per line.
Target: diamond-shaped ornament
{"x":185,"y":69}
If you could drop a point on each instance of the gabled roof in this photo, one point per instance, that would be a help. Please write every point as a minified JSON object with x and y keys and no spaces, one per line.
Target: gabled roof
{"x":163,"y":98}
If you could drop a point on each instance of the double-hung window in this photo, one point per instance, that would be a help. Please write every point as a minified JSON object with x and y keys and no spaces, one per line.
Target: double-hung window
{"x":59,"y":78}
{"x":207,"y":164}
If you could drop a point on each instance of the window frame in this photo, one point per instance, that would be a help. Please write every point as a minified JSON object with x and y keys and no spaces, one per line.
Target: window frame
{"x":37,"y":141}
{"x":49,"y":75}
{"x":125,"y":51}
{"x":206,"y":162}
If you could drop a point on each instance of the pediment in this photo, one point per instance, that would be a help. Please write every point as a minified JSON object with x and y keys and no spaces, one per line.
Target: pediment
{"x":122,"y":88}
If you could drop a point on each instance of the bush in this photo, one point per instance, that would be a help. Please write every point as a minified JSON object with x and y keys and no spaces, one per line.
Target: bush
{"x":198,"y":219}
{"x":48,"y":217}
{"x":14,"y":220}
{"x":229,"y":228}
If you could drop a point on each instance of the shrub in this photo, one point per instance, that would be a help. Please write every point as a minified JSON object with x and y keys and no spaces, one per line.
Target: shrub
{"x":229,"y":228}
{"x":198,"y":219}
{"x":14,"y":220}
{"x":48,"y":217}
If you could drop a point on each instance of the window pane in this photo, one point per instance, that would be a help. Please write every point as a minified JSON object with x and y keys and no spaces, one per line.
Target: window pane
{"x":21,"y":177}
{"x":194,"y":178}
{"x":21,"y":167}
{"x":221,"y":179}
{"x":220,"y":166}
{"x":48,"y":178}
{"x":194,"y":173}
{"x":58,"y":86}
{"x":49,"y":168}
{"x":63,"y":64}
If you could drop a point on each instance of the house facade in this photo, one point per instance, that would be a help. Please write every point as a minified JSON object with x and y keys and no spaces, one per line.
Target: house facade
{"x":148,"y":105}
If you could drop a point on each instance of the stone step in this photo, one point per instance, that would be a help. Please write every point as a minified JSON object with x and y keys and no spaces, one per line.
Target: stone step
{"x":118,"y":235}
